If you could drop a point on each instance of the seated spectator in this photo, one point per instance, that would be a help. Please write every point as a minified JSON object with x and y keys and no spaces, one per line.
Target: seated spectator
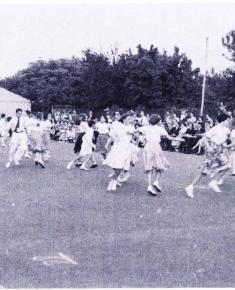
{"x":209,"y":121}
{"x":174,"y":131}
{"x":182,"y":131}
{"x":183,"y":115}
{"x":191,"y":118}
{"x":71,"y":134}
{"x":189,"y":137}
{"x":222,"y":109}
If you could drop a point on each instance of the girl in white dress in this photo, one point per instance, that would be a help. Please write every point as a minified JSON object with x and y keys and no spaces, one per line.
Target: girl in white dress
{"x":87,"y":146}
{"x":133,"y":138}
{"x":182,"y":131}
{"x":155,"y":162}
{"x":120,"y":154}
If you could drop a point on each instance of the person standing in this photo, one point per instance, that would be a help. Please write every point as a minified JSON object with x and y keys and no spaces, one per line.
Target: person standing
{"x":18,"y":144}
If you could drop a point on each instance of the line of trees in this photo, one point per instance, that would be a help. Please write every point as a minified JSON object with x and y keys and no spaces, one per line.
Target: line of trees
{"x":147,"y":78}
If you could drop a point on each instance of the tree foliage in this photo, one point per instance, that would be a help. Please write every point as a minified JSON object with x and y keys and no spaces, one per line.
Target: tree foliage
{"x":147,"y":78}
{"x":229,"y":43}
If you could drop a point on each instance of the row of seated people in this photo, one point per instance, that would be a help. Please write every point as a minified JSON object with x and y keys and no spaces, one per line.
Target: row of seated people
{"x":190,"y":132}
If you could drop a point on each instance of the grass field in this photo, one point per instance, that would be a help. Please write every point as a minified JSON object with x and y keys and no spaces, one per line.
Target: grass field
{"x":120,"y":239}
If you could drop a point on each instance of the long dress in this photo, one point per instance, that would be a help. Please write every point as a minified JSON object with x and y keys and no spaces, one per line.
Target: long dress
{"x":120,"y":154}
{"x":87,"y":142}
{"x":154,"y":157}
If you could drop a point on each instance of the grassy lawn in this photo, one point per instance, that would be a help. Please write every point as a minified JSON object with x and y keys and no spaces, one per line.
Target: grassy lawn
{"x":120,"y":239}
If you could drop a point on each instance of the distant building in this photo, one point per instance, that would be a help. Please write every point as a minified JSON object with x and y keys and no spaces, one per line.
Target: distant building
{"x":9,"y":102}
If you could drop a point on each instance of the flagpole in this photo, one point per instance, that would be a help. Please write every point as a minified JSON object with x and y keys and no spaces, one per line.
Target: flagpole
{"x":204,"y":80}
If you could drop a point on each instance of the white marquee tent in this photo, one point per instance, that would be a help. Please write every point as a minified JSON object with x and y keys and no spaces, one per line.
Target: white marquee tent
{"x":9,"y":102}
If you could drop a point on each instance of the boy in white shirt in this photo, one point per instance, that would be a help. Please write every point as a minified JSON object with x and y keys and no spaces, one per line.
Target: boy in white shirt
{"x":216,"y":162}
{"x":18,"y":144}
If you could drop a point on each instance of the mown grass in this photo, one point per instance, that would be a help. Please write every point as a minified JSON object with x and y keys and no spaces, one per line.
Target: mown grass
{"x":121,"y":239}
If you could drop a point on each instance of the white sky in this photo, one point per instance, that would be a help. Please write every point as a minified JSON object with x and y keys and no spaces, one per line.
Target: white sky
{"x":28,"y":32}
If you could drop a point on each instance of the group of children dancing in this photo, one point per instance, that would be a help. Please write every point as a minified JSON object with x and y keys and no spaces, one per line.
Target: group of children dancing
{"x":119,"y":144}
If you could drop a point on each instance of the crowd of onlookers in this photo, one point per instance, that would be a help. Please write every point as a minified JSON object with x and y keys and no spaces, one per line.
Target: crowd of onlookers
{"x":190,"y":127}
{"x":186,"y":124}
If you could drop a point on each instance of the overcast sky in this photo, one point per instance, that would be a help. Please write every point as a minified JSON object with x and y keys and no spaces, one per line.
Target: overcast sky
{"x":29,"y":32}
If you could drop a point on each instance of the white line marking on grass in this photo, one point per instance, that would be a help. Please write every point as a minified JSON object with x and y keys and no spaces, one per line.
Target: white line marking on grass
{"x":68,"y":259}
{"x":53,"y":260}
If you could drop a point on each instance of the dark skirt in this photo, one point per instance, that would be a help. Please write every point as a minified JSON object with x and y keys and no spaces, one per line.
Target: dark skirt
{"x":78,"y":143}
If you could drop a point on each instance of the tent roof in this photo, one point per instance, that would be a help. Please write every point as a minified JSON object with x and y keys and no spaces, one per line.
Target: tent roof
{"x":7,"y":96}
